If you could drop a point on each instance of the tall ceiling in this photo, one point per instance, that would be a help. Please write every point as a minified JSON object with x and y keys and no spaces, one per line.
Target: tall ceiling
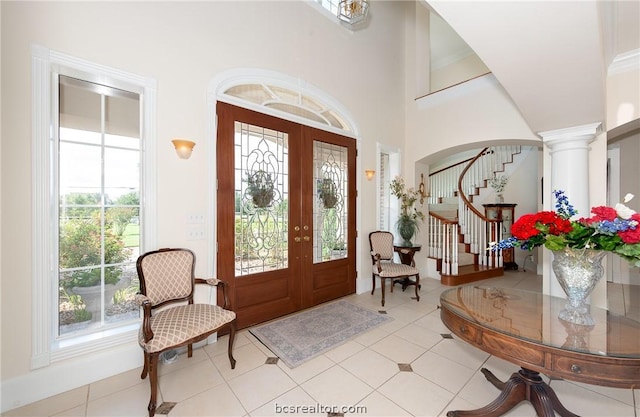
{"x":551,"y":57}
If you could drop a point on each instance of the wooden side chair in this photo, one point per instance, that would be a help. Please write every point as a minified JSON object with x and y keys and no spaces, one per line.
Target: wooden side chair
{"x":171,"y":319}
{"x":384,"y":267}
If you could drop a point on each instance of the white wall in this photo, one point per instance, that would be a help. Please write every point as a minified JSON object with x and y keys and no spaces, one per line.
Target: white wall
{"x":623,"y":96}
{"x":183,"y":46}
{"x":467,"y":68}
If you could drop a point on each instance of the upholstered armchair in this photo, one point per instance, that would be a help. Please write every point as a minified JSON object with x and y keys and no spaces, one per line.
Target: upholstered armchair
{"x":171,"y":319}
{"x":384,"y":267}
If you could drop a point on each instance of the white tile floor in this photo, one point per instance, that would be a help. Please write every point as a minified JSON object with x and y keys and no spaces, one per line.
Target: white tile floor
{"x":362,"y":373}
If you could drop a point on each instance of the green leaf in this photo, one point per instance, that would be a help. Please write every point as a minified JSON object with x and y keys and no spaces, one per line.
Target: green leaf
{"x":555,"y":242}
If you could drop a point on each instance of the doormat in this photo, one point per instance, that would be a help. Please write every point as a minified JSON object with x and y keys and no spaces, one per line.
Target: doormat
{"x":302,"y":336}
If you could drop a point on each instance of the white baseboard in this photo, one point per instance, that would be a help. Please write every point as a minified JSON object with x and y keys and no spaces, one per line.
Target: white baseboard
{"x":69,"y":374}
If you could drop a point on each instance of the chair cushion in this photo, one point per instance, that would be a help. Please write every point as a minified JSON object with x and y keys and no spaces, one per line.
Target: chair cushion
{"x":173,"y":326}
{"x":392,"y":269}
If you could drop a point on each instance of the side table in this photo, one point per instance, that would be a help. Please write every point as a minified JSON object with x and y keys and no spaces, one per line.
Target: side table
{"x":406,"y":254}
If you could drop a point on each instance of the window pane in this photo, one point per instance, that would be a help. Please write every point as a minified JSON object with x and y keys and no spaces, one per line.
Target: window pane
{"x":121,"y":173}
{"x":99,"y":207}
{"x":262,"y":194}
{"x":124,"y":222}
{"x":80,"y":170}
{"x":330,"y":212}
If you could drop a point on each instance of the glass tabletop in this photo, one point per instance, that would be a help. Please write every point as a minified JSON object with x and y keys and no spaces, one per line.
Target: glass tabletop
{"x":533,"y":317}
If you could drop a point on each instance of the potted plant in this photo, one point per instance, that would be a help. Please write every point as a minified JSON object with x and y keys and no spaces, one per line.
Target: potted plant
{"x":261,"y":189}
{"x":407,"y":223}
{"x":328,"y":193}
{"x":80,"y":250}
{"x":498,"y":184}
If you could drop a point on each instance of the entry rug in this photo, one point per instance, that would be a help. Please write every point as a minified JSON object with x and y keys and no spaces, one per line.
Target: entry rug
{"x":302,"y":336}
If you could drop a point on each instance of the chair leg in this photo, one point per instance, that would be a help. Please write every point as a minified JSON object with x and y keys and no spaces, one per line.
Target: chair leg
{"x":153,"y":380}
{"x":189,"y":350}
{"x":382,"y":286}
{"x":373,"y":286}
{"x":417,"y":286}
{"x":145,"y":368}
{"x":232,"y":336}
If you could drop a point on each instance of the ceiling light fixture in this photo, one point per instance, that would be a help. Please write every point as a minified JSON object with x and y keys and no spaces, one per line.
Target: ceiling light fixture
{"x":353,"y":11}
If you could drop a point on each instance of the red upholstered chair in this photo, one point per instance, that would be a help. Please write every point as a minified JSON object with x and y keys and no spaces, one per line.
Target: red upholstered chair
{"x":384,"y":267}
{"x":171,"y":319}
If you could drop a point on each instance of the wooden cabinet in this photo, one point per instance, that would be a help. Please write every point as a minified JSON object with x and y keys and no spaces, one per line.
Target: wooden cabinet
{"x":505,"y":213}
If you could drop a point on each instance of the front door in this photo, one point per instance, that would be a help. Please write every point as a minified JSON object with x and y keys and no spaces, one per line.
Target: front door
{"x":285,"y":214}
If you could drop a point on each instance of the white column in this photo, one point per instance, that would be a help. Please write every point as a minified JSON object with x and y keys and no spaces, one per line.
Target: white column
{"x":568,"y":154}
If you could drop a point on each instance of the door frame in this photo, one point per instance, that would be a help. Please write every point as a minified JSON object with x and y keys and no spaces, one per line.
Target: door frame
{"x":217,"y":88}
{"x":303,"y":282}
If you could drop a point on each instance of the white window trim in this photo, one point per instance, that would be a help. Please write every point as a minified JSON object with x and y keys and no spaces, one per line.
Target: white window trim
{"x":44,"y":63}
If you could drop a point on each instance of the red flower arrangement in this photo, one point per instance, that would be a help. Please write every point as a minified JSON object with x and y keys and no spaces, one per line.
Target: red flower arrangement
{"x":610,"y":229}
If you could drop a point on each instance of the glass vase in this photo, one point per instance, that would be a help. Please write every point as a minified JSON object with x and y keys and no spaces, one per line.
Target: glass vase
{"x":578,"y":271}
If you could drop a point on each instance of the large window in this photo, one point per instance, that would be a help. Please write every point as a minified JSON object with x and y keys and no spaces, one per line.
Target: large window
{"x":99,"y":183}
{"x":93,"y":159}
{"x":388,"y":167}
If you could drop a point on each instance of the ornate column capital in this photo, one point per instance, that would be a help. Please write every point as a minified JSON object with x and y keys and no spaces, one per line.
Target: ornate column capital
{"x":583,"y":132}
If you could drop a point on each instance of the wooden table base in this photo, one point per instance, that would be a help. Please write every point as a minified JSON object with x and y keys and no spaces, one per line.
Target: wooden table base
{"x":524,"y":385}
{"x":406,"y":282}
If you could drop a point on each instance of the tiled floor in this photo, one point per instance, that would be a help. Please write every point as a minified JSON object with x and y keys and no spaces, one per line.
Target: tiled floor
{"x":363,"y":373}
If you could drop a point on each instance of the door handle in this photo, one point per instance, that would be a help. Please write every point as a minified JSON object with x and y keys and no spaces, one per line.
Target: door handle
{"x":297,"y":239}
{"x":306,"y":238}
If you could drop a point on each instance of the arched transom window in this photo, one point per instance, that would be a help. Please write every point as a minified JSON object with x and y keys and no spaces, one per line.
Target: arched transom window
{"x":291,"y":102}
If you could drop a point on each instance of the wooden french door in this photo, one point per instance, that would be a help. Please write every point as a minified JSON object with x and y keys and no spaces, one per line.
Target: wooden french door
{"x":285,"y":214}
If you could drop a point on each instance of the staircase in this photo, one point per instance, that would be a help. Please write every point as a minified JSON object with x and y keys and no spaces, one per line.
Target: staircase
{"x":459,"y":232}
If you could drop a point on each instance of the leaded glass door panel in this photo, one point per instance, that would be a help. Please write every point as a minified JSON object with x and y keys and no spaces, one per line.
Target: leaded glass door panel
{"x":276,"y":232}
{"x":329,"y":270}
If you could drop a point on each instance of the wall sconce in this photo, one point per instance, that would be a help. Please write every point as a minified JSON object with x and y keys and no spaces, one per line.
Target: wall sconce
{"x":422,"y":190}
{"x":369,"y":173}
{"x":183,"y":147}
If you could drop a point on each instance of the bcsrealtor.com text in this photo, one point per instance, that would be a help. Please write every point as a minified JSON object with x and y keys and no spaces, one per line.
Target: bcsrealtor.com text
{"x":319,"y":408}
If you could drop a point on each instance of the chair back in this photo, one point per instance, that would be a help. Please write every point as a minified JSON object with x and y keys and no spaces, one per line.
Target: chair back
{"x":167,"y":275}
{"x":381,"y":243}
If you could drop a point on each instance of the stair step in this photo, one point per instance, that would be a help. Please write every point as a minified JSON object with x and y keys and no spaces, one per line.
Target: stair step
{"x":465,"y":259}
{"x":450,"y":215}
{"x":443,"y":207}
{"x":449,"y":200}
{"x":471,"y":273}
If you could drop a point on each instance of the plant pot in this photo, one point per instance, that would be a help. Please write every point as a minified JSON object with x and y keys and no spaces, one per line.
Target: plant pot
{"x":263,"y":198}
{"x":91,"y":295}
{"x":329,"y":200}
{"x":261,"y":188}
{"x":328,"y":193}
{"x":407,"y":228}
{"x":578,"y":271}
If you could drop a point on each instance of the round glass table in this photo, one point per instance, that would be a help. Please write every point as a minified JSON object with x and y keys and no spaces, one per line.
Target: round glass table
{"x":523,"y":327}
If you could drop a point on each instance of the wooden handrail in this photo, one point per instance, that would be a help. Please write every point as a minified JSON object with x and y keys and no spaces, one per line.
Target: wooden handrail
{"x":460,"y":163}
{"x":466,"y":201}
{"x":442,"y":219}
